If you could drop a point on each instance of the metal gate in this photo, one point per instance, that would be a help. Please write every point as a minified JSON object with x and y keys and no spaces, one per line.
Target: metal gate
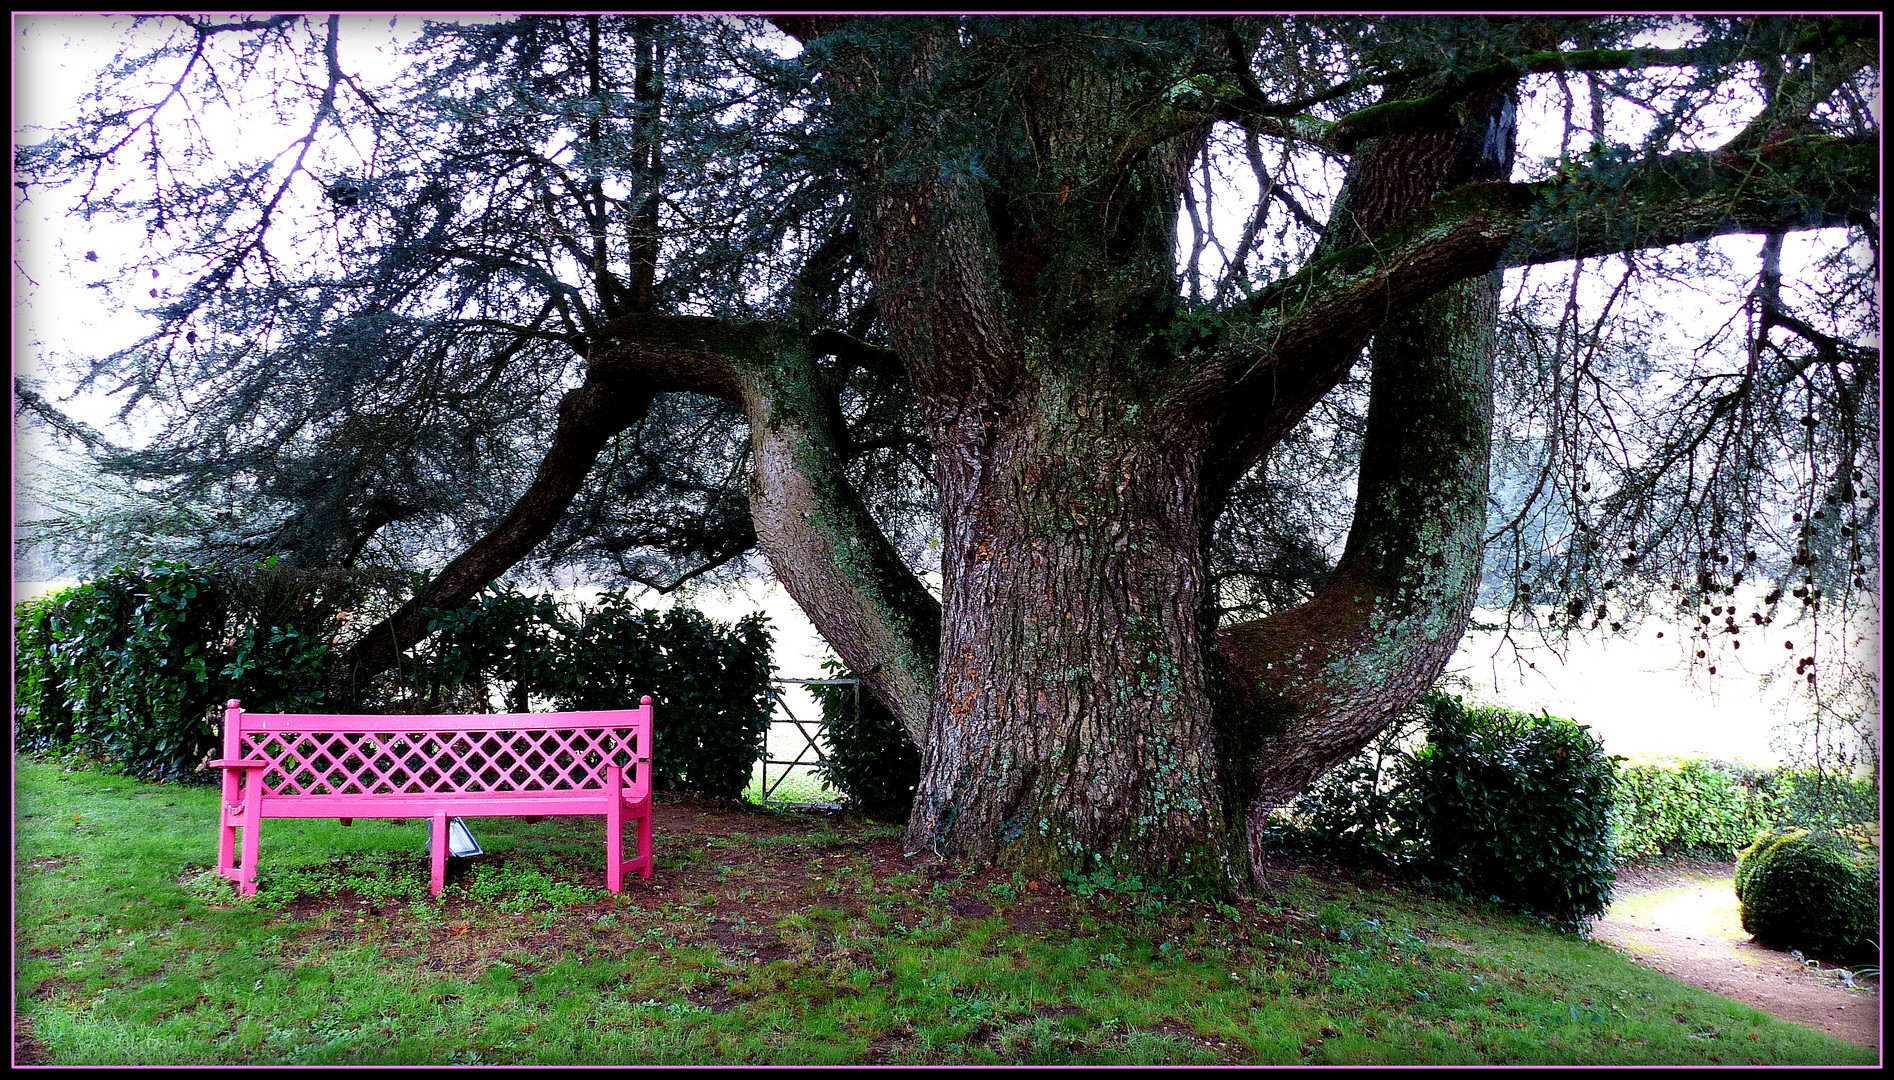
{"x":806,"y":750}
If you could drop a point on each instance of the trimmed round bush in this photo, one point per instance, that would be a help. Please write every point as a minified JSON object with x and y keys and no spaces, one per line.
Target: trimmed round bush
{"x":1813,"y":890}
{"x":1515,"y":808}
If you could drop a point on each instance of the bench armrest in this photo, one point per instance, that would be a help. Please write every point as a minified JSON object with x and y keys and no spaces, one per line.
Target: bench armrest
{"x":235,"y":763}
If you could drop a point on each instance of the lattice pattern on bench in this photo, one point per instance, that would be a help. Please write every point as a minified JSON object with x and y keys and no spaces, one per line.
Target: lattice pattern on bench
{"x":425,"y":762}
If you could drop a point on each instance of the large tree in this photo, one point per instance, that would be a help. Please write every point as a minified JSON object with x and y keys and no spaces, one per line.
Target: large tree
{"x":927,"y":270}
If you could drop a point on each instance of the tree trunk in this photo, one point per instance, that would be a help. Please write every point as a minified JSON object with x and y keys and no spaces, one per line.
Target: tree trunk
{"x":1073,"y":724}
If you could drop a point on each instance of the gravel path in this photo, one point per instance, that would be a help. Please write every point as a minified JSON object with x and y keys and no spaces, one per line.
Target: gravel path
{"x":1681,"y":918}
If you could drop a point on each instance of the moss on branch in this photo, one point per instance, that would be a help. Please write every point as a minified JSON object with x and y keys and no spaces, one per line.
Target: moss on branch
{"x":1437,"y":110}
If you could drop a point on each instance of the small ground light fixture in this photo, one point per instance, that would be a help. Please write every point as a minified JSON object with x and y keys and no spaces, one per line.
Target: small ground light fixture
{"x":460,"y":840}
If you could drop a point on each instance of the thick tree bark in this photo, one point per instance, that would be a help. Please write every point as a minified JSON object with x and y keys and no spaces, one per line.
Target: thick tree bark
{"x":1072,"y":718}
{"x":1073,"y":723}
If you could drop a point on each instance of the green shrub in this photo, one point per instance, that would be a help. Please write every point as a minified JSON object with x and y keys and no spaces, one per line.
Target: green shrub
{"x":135,"y":666}
{"x":167,"y":686}
{"x":1814,"y":890}
{"x":503,"y":639}
{"x":280,"y":640}
{"x":1358,"y":814}
{"x":870,"y":758}
{"x":1497,"y":804}
{"x":1514,"y":808}
{"x":126,"y":668}
{"x":710,"y":681}
{"x":1821,"y":799}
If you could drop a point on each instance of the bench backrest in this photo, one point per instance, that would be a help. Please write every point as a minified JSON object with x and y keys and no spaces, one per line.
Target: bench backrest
{"x":315,"y":754}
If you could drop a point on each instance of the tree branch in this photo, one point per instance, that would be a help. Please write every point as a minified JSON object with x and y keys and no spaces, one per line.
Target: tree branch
{"x":1288,"y":345}
{"x":681,"y":353}
{"x":589,"y":417}
{"x":1323,"y":678}
{"x":719,"y":559}
{"x":854,"y":351}
{"x":1795,"y":97}
{"x":628,"y":363}
{"x":1436,"y":110}
{"x":806,"y":28}
{"x":826,"y":548}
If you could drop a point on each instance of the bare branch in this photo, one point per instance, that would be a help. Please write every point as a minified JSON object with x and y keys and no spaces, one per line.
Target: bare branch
{"x":1306,"y":329}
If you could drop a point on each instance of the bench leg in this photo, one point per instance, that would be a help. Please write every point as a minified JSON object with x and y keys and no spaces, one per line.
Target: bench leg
{"x":645,"y":856}
{"x":252,"y":844}
{"x":614,"y":842}
{"x":226,"y":845}
{"x":252,"y":832}
{"x":438,"y":876}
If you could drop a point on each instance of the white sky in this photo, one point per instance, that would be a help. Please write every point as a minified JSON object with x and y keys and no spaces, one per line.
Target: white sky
{"x":56,"y":61}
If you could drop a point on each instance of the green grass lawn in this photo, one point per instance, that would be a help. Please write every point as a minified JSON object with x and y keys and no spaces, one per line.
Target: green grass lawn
{"x":772,"y":937}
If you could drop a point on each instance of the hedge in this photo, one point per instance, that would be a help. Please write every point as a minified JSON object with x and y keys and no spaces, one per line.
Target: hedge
{"x":134,"y":668}
{"x":1672,"y":805}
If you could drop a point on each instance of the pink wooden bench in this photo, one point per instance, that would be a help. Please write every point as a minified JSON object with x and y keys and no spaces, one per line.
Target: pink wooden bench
{"x":528,"y":765}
